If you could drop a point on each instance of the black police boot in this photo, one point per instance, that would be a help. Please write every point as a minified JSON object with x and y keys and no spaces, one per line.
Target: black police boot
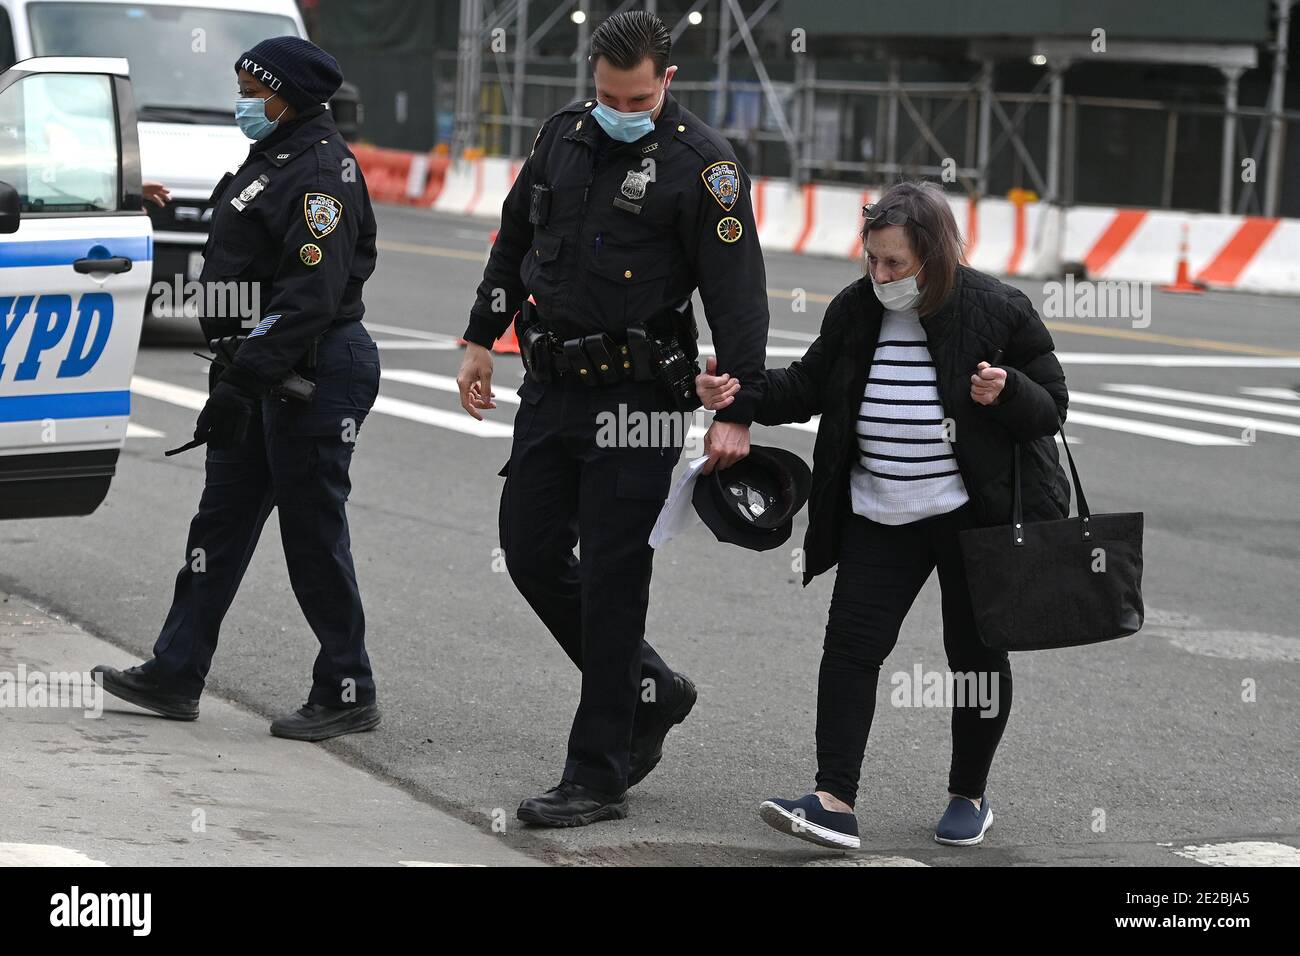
{"x":136,"y":686}
{"x":318,"y":722}
{"x":572,"y":805}
{"x":648,"y":745}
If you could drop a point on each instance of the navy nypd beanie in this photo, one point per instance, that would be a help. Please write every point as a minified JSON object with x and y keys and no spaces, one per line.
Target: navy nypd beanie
{"x":297,"y":69}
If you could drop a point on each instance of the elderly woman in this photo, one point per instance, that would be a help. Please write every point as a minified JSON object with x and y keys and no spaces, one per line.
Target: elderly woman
{"x":926,"y":374}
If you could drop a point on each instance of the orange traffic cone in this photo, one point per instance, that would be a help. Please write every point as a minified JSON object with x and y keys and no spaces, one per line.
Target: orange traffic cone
{"x":1183,"y":280}
{"x":509,"y":342}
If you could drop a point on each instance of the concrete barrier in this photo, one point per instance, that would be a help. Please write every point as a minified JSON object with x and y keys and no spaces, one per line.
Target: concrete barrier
{"x":1002,"y":237}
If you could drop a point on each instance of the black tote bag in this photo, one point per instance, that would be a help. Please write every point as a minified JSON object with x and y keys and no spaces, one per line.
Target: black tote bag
{"x":1058,"y":583}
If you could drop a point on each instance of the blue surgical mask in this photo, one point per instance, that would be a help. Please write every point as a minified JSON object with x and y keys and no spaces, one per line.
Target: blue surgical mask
{"x":626,"y":127}
{"x":250,"y":114}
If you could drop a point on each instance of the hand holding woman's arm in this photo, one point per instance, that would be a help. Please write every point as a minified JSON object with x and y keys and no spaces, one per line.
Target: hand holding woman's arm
{"x":715,"y":391}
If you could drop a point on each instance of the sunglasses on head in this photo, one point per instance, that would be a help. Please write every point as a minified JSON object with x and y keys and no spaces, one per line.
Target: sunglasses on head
{"x":892,"y":216}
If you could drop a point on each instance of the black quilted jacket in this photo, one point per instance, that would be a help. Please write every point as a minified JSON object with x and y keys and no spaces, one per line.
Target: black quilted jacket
{"x":981,"y":316}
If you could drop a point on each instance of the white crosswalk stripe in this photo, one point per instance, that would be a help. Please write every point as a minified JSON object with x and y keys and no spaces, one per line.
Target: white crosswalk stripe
{"x":1242,"y":853}
{"x":1081,"y":410}
{"x":1147,"y":429}
{"x":413,"y":339}
{"x":190,"y":398}
{"x":1186,"y":414}
{"x":1182,"y":404}
{"x":446,"y":383}
{"x":442,"y":383}
{"x":456,"y":421}
{"x":1289,"y":394}
{"x":415,"y":345}
{"x":1175,"y":361}
{"x":440,"y":337}
{"x":1203,"y":398}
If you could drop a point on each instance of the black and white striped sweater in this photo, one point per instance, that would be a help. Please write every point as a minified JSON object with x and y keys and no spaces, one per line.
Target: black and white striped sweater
{"x":906,"y":469}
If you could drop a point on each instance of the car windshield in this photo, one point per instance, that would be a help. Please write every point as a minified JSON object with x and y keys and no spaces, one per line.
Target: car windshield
{"x":182,"y":58}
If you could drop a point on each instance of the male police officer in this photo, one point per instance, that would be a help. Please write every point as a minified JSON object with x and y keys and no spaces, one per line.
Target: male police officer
{"x":294,"y":222}
{"x":626,"y":204}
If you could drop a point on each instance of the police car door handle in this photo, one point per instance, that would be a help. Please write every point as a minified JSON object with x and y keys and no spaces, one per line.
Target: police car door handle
{"x":111,"y":264}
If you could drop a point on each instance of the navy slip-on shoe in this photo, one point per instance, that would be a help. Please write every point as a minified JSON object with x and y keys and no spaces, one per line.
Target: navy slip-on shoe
{"x":807,"y":819}
{"x":963,"y":825}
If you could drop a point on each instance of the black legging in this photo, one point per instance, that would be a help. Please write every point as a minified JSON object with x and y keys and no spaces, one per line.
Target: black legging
{"x":881,"y":570}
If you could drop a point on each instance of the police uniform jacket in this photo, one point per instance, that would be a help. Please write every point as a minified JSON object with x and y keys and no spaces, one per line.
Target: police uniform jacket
{"x":295,"y":218}
{"x":632,"y":229}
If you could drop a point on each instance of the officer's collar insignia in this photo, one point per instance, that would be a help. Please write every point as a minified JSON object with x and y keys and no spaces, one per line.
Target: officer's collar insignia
{"x":323,"y":213}
{"x":650,"y":149}
{"x":723,"y":180}
{"x":310,"y":254}
{"x":729,"y":229}
{"x":249,"y":192}
{"x":635,"y":183}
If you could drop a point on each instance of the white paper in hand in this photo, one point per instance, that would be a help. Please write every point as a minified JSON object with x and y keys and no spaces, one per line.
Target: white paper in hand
{"x":678,"y":512}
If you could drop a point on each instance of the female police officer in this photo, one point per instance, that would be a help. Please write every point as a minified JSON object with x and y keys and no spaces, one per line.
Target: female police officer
{"x":294,"y":222}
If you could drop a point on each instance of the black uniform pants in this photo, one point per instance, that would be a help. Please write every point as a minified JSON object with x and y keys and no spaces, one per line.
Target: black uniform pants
{"x":881,"y":571}
{"x":568,"y":482}
{"x":305,"y":478}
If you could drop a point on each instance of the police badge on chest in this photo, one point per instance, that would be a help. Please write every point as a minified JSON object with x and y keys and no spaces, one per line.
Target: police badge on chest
{"x":633,"y":187}
{"x":250,"y":192}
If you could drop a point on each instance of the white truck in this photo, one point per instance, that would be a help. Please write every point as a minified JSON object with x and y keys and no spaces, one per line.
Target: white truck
{"x":182,"y":59}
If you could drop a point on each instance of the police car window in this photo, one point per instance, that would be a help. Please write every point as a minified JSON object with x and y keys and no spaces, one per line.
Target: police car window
{"x":58,"y":142}
{"x":181,"y":57}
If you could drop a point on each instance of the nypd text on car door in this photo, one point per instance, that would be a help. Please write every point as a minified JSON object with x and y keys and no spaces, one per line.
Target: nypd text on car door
{"x":75,"y":262}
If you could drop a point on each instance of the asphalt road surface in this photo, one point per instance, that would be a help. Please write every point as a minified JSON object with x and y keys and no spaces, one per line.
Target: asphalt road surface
{"x":1131,"y":752}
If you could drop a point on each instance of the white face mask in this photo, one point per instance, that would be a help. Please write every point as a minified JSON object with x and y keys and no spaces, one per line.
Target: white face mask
{"x":899,"y":295}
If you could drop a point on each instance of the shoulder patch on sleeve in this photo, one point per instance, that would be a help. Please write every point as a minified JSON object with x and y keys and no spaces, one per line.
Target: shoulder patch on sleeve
{"x":322,"y":213}
{"x":723,"y":181}
{"x":729,"y":229}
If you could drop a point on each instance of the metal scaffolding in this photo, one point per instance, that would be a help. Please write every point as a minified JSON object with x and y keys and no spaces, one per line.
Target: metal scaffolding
{"x":810,"y":120}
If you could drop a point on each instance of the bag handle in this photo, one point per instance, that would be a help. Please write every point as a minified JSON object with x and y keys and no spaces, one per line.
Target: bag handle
{"x":1017,"y":510}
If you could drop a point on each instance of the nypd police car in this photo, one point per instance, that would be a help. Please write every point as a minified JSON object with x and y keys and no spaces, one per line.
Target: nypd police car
{"x":76,"y":253}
